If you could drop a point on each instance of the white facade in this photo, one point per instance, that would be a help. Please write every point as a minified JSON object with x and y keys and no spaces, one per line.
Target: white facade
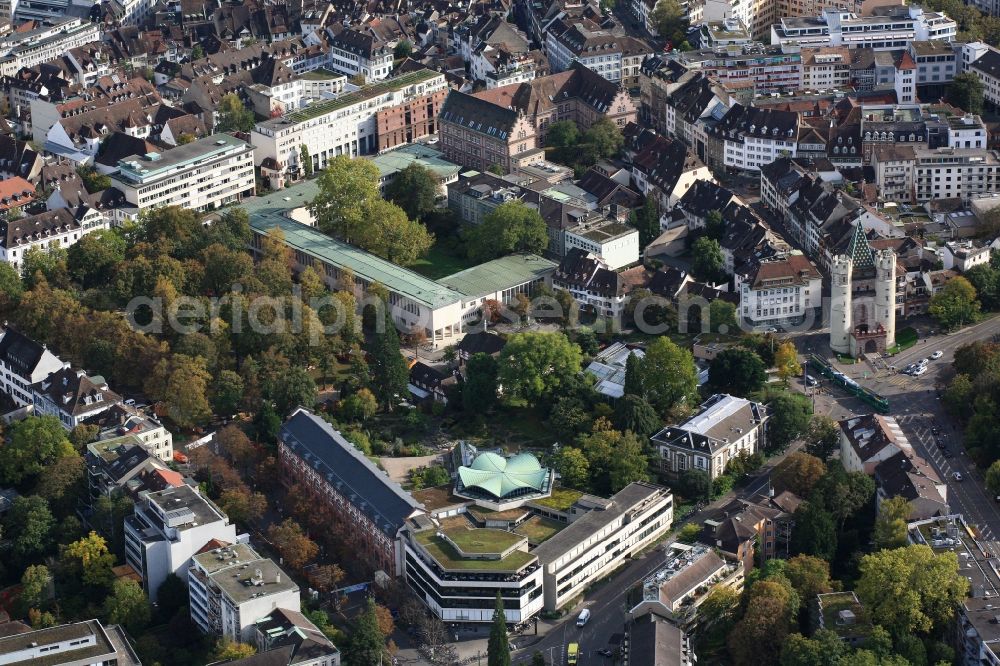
{"x":373,"y":67}
{"x":19,"y":370}
{"x":55,"y":230}
{"x":232,"y":587}
{"x":616,"y":244}
{"x":344,"y":126}
{"x":752,"y":152}
{"x":35,"y":47}
{"x":963,"y":256}
{"x":600,"y":541}
{"x":837,"y":27}
{"x":945,"y":173}
{"x":167,"y":529}
{"x":784,"y":299}
{"x":470,"y":595}
{"x":202,"y":175}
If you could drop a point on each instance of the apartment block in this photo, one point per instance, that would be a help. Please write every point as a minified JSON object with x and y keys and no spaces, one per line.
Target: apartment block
{"x":891,"y":27}
{"x":919,"y":174}
{"x":768,"y":69}
{"x":598,"y":542}
{"x":88,"y":642}
{"x":353,"y":53}
{"x":614,"y":56}
{"x":30,"y":48}
{"x":167,"y":529}
{"x":202,"y":175}
{"x":750,"y":138}
{"x":23,"y":362}
{"x":232,"y":588}
{"x":723,"y":428}
{"x":783,"y":291}
{"x":362,"y":122}
{"x":58,"y":228}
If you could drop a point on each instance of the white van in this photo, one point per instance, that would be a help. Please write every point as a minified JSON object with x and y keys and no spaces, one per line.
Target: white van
{"x":584,"y":616}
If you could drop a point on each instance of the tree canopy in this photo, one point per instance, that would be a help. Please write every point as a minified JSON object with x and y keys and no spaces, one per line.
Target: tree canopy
{"x":510,"y":227}
{"x":414,"y":189}
{"x":955,"y":304}
{"x":737,"y":371}
{"x":533,"y":366}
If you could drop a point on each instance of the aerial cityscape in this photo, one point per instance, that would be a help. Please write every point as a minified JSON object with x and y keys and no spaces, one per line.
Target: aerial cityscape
{"x":500,"y":332}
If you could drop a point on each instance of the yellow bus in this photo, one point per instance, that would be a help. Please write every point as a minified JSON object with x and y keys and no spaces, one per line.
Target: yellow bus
{"x":571,"y":653}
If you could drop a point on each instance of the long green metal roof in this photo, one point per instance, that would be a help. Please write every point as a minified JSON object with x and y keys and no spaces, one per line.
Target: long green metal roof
{"x":500,"y":476}
{"x":268,"y":212}
{"x":499,"y":274}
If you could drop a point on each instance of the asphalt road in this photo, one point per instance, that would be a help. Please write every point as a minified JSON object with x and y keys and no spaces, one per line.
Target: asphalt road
{"x":607,"y":603}
{"x":916,"y":407}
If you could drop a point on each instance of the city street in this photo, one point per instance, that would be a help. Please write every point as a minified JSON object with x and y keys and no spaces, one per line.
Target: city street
{"x":915,"y":405}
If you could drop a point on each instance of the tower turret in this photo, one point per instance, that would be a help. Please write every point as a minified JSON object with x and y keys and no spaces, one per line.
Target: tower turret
{"x":841,"y":269}
{"x":885,"y":294}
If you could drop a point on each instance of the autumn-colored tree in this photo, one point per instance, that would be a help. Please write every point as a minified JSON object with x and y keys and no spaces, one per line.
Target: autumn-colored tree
{"x":295,"y":546}
{"x":326,"y":577}
{"x":786,"y":360}
{"x":89,"y":559}
{"x":799,"y":472}
{"x":229,"y":650}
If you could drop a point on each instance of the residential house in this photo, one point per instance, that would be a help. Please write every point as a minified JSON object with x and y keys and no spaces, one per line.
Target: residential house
{"x":354,"y":53}
{"x":594,"y":286}
{"x":58,"y":228}
{"x":295,"y":638}
{"x":665,"y":170}
{"x":782,"y":291}
{"x":723,"y":428}
{"x":72,"y":396}
{"x":23,"y":363}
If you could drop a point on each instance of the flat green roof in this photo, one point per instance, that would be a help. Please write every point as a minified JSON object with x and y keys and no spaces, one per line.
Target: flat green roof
{"x":349,"y":99}
{"x":394,"y":161}
{"x":321,"y":74}
{"x":538,"y":529}
{"x":139,"y":168}
{"x":449,"y":558}
{"x":267,"y":212}
{"x":482,"y":541}
{"x":499,"y":274}
{"x":561,"y":499}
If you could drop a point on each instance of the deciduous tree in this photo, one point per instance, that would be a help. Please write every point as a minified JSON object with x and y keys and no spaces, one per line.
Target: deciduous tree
{"x":510,"y":227}
{"x":799,"y":472}
{"x":479,"y":392}
{"x":707,"y":262}
{"x":573,"y":467}
{"x":737,"y":371}
{"x":347,"y":188}
{"x":822,"y":437}
{"x":890,"y":525}
{"x":669,"y":376}
{"x":911,"y":589}
{"x":186,"y":397}
{"x":232,"y":115}
{"x":128,"y":606}
{"x":671,"y":22}
{"x":534,"y":366}
{"x":955,"y":304}
{"x":29,"y":525}
{"x":815,"y":532}
{"x":790,"y":415}
{"x":227,"y":649}
{"x":89,"y":560}
{"x":562,"y":134}
{"x":966,"y":92}
{"x":809,"y":575}
{"x":295,"y":547}
{"x":366,"y":644}
{"x":786,"y":360}
{"x":34,"y":444}
{"x":414,"y":189}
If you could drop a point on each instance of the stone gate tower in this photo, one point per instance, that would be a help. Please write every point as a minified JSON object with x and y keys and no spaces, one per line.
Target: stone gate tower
{"x":862,"y":298}
{"x":885,"y":294}
{"x":841,"y":270}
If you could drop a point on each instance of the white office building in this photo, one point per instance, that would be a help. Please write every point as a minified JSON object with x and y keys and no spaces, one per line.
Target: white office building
{"x":892,"y":28}
{"x":616,"y":243}
{"x":780,"y":292}
{"x":342,"y":126}
{"x":167,"y":529}
{"x":601,"y":540}
{"x":232,"y":588}
{"x":354,"y":53}
{"x":202,"y":175}
{"x":34,"y":47}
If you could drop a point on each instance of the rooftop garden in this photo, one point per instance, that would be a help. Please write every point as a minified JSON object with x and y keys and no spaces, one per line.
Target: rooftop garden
{"x":560,"y":500}
{"x":450,"y":559}
{"x":539,"y":529}
{"x":833,"y":604}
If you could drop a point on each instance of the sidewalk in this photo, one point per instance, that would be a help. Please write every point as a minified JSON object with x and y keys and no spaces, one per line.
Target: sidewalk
{"x":473,"y":640}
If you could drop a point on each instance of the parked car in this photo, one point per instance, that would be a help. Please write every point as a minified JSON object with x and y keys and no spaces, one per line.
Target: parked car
{"x":935,"y":430}
{"x":605,"y":652}
{"x":946,"y":453}
{"x":957,"y":476}
{"x":919,"y":371}
{"x":936,"y":355}
{"x":811,"y":381}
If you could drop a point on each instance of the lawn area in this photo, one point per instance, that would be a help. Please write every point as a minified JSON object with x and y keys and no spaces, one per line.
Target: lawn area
{"x":441,"y":261}
{"x":539,"y":529}
{"x":905,"y":339}
{"x":560,"y":500}
{"x":475,"y":542}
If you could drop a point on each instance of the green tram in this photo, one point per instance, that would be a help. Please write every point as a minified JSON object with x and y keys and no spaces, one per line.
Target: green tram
{"x":878,"y":402}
